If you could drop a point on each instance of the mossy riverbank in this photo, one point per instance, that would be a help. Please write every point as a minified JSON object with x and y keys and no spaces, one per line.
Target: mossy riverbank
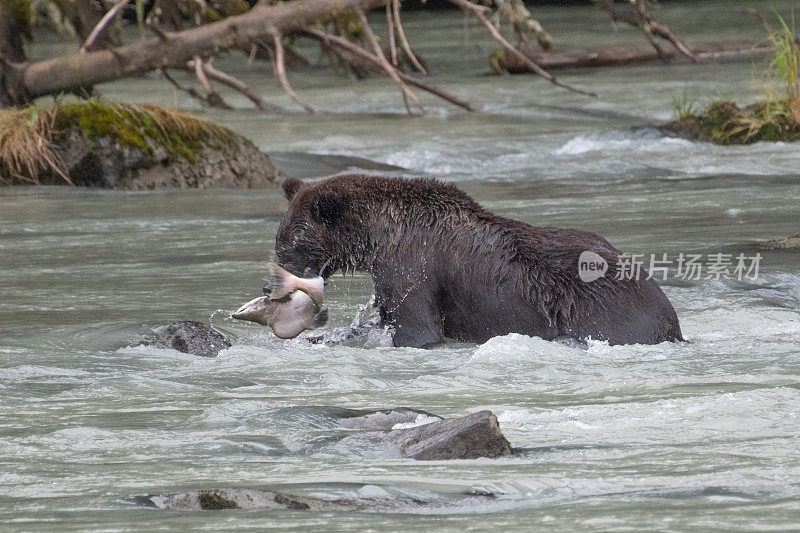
{"x":774,"y":119}
{"x":727,"y":123}
{"x":127,"y":146}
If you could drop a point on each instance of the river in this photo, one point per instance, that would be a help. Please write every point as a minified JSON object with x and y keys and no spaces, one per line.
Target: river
{"x":691,"y":436}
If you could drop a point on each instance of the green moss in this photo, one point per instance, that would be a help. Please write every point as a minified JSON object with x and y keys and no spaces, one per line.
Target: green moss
{"x":212,"y":500}
{"x":211,"y":15}
{"x":346,"y":23}
{"x":220,"y":9}
{"x":145,"y":128}
{"x":229,"y":8}
{"x":496,"y":62}
{"x":777,"y":119}
{"x":29,"y":136}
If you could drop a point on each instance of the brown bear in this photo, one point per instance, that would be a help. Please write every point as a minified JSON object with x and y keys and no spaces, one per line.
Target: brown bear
{"x":443,"y":266}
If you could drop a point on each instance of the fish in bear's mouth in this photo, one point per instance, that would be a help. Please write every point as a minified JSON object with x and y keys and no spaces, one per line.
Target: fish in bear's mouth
{"x":291,"y":305}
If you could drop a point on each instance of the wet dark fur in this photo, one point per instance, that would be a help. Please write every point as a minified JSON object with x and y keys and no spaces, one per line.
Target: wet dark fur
{"x":443,"y":266}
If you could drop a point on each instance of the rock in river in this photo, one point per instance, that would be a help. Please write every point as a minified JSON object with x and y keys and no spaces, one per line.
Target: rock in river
{"x":468,"y":437}
{"x":789,"y":243}
{"x":115,"y":145}
{"x":428,"y":438}
{"x":188,"y":337}
{"x":221,"y":499}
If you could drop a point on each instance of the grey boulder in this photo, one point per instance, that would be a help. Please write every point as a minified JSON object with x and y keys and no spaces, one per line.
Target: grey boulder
{"x":190,"y":337}
{"x":469,"y":437}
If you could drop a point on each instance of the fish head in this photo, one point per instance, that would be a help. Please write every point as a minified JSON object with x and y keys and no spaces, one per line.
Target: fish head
{"x":260,"y":310}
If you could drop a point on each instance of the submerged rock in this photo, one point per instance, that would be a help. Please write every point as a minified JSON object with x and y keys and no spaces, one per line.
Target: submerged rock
{"x":220,"y":499}
{"x":789,"y":243}
{"x":469,"y":437}
{"x":189,"y":337}
{"x":337,"y":497}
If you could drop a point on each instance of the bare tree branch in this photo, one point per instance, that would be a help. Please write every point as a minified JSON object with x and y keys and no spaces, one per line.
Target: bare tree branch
{"x":518,"y":15}
{"x":240,"y":86}
{"x":256,"y":28}
{"x":390,"y":25}
{"x":403,"y":41}
{"x":84,"y":16}
{"x":634,"y":15}
{"x":386,"y":65}
{"x":190,"y":91}
{"x":279,"y":65}
{"x":107,"y":18}
{"x":764,"y":24}
{"x":63,"y":74}
{"x":331,"y":39}
{"x":479,"y":12}
{"x":212,"y":97}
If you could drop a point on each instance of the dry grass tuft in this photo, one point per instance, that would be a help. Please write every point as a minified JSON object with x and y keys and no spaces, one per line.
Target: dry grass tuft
{"x":26,"y":148}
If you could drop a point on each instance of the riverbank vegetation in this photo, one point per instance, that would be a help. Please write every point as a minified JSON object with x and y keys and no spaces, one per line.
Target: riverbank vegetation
{"x":776,"y":118}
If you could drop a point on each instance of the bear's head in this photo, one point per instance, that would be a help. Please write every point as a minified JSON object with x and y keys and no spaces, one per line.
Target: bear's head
{"x":312,"y":235}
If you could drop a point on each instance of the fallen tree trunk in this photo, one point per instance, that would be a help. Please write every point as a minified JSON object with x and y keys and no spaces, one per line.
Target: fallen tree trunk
{"x":174,"y":50}
{"x":618,"y":56}
{"x":23,"y":82}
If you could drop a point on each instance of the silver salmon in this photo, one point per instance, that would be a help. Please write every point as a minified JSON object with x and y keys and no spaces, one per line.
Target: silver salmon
{"x":293,"y":304}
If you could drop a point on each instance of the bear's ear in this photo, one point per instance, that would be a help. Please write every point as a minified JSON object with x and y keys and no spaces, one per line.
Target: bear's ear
{"x":291,"y":186}
{"x":328,"y":208}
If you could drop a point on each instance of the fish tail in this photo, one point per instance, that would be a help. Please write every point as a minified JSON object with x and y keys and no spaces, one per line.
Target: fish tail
{"x":281,"y":282}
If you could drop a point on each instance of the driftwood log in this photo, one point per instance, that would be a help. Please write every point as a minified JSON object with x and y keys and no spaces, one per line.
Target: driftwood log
{"x":620,"y":56}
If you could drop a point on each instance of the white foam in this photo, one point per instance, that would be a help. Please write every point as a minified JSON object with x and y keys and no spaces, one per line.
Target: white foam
{"x":421,"y":420}
{"x":644,"y":140}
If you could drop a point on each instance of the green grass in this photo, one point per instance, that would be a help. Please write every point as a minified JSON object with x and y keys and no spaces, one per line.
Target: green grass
{"x":683,"y":107}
